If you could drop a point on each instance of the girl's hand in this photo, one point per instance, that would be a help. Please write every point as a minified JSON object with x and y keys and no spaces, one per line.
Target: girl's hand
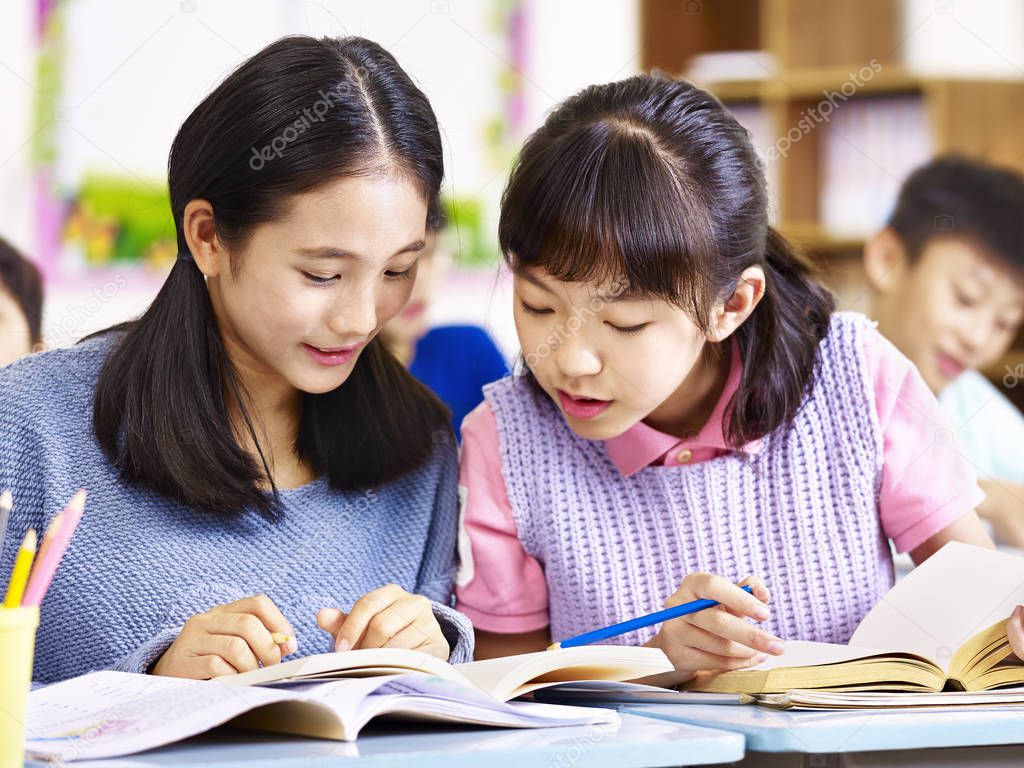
{"x":227,"y":639}
{"x":388,"y":617}
{"x":1015,"y":631}
{"x":717,"y":638}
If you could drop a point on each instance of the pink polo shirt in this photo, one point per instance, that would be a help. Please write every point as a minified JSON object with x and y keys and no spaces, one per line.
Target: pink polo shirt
{"x":926,"y":485}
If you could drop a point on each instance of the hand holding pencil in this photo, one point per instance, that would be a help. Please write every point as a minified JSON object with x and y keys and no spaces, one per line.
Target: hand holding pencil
{"x":230,"y":638}
{"x":719,"y":638}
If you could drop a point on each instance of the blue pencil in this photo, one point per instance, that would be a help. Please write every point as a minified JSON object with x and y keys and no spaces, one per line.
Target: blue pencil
{"x":638,"y":623}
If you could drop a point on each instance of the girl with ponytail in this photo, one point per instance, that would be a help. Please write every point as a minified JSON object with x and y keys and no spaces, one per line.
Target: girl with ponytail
{"x":257,"y":462}
{"x":692,"y":415}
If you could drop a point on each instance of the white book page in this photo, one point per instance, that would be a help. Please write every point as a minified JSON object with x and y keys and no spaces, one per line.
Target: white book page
{"x":377,"y":661}
{"x":437,"y":699}
{"x":110,"y":714}
{"x":105,"y":714}
{"x":954,"y":594}
{"x":503,"y":677}
{"x":806,"y":653}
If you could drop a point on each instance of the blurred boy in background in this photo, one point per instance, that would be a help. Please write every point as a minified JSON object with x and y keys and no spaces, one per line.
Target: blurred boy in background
{"x":455,"y":361}
{"x":947,"y":280}
{"x":21,"y":305}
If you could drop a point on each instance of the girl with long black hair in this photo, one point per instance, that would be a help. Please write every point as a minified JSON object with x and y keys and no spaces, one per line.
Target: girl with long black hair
{"x":257,"y":462}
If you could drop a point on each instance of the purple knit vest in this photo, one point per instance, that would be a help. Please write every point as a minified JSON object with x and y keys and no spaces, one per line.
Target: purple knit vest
{"x":802,"y":513}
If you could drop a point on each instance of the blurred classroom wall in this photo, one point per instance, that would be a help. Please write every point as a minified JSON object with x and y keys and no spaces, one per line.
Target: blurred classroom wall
{"x":94,"y":91}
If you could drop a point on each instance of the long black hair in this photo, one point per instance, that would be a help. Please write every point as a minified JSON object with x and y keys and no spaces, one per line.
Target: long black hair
{"x":344,"y":107}
{"x":650,"y":184}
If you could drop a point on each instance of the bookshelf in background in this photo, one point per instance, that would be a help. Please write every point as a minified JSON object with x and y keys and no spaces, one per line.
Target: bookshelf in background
{"x":837,"y":115}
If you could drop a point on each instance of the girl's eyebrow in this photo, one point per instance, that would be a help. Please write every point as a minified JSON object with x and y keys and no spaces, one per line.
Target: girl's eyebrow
{"x":330,"y":252}
{"x":607,"y":298}
{"x":534,"y":281}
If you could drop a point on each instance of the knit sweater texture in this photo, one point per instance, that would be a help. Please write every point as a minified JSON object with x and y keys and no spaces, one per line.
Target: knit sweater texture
{"x":801,"y":511}
{"x":140,"y":564}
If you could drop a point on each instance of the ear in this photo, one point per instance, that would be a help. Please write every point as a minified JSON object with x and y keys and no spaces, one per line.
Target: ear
{"x":885,"y":260}
{"x":733,"y":312}
{"x":201,"y":236}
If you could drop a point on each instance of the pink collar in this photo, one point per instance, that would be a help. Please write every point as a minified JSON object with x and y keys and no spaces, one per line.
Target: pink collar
{"x":641,"y":445}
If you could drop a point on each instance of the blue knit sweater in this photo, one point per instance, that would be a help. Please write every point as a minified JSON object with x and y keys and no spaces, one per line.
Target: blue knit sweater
{"x":140,"y":564}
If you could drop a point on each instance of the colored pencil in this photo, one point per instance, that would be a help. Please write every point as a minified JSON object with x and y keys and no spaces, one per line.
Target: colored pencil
{"x":19,"y":574}
{"x":638,"y":623}
{"x":42,"y":573}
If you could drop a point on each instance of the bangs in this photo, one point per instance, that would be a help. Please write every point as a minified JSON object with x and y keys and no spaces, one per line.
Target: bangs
{"x":605,"y":205}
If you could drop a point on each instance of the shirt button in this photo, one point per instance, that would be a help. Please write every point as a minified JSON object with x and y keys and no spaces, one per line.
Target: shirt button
{"x":684,"y":455}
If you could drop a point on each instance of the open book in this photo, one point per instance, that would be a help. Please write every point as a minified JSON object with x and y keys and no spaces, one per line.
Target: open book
{"x":942,"y":627}
{"x":502,"y":679}
{"x":331,"y":696}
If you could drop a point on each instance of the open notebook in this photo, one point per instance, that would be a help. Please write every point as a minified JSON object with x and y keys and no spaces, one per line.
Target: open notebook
{"x":331,"y":696}
{"x":942,"y":627}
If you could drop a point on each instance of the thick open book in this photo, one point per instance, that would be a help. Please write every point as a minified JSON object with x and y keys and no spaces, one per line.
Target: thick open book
{"x":331,"y":696}
{"x":826,"y":699}
{"x":942,"y":627}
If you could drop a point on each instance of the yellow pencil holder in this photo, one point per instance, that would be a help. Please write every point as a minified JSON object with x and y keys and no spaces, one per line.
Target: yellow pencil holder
{"x":17,"y":642}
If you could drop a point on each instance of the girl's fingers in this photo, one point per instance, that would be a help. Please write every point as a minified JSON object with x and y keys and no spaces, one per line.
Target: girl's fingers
{"x":725,"y":625}
{"x":694,"y":659}
{"x":437,"y":647}
{"x":415,"y":636}
{"x":693,"y":636}
{"x":213,"y":665}
{"x":369,"y":605}
{"x":709,"y":587}
{"x":759,"y":590}
{"x":1015,"y":631}
{"x":250,"y":630}
{"x":386,"y":625}
{"x":404,"y":613}
{"x":232,"y":649}
{"x":264,"y":609}
{"x":330,"y":619}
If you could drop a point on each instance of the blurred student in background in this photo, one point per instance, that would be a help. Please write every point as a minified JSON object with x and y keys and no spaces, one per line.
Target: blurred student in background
{"x":455,"y":361}
{"x":947,"y":280}
{"x":21,"y":305}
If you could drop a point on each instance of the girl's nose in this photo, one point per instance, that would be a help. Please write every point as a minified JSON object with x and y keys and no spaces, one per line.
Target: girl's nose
{"x":356,"y":315}
{"x":576,"y":359}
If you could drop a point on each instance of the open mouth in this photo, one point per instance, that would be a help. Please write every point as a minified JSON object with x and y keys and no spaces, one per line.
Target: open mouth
{"x":331,"y":356}
{"x":582,"y":407}
{"x":950,"y":367}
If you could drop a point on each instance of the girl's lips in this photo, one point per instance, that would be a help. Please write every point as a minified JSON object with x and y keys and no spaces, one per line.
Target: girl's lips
{"x":950,"y":367}
{"x":582,"y":408}
{"x":331,"y":357}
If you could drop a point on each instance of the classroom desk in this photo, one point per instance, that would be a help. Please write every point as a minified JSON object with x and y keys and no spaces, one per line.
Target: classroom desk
{"x":636,"y":741}
{"x":880,"y":738}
